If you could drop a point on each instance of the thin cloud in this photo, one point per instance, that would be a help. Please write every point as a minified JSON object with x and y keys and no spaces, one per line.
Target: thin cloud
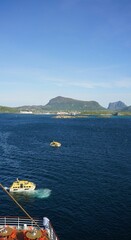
{"x":92,"y":84}
{"x":13,"y":76}
{"x":125,"y":83}
{"x":98,"y":69}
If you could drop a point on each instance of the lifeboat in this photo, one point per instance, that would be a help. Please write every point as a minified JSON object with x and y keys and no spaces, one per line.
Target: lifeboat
{"x":22,"y":185}
{"x":55,"y":144}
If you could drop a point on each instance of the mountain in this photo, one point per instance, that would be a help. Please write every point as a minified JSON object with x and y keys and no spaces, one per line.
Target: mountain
{"x":116,"y":106}
{"x":68,"y":104}
{"x":126,"y":109}
{"x":63,"y":104}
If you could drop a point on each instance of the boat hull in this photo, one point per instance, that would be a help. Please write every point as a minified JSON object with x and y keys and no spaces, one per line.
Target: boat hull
{"x":22,"y":189}
{"x":55,"y":144}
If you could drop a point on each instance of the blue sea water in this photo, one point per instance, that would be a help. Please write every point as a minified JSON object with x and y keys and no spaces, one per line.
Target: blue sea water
{"x":83,"y":187}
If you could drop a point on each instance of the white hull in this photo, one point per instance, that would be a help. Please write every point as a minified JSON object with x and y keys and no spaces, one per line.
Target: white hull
{"x":22,"y":190}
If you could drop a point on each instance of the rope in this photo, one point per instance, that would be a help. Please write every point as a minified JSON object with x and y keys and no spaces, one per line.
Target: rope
{"x":19,"y":205}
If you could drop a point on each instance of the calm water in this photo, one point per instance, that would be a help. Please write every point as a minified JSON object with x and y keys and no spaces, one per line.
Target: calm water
{"x":88,"y":178}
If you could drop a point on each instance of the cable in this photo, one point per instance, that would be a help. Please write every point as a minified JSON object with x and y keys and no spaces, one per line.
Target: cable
{"x":19,"y":205}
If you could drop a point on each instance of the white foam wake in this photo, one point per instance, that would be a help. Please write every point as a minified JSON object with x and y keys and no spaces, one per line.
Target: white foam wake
{"x":39,"y":193}
{"x":42,"y":193}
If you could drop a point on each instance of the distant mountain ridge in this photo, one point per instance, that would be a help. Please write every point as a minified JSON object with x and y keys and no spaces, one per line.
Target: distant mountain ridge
{"x":68,"y":104}
{"x":116,"y":106}
{"x":64,"y":104}
{"x":127,"y":109}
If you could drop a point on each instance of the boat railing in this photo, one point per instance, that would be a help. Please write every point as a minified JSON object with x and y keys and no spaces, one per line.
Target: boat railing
{"x":23,"y":223}
{"x":19,"y":222}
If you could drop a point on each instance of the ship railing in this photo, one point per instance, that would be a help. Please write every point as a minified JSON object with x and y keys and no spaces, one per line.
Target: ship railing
{"x":23,"y":223}
{"x":19,"y":222}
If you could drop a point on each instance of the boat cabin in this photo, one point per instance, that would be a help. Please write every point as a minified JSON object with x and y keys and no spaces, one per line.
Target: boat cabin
{"x":22,"y":185}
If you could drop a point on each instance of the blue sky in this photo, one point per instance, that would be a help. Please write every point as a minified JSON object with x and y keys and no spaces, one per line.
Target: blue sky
{"x":71,"y":48}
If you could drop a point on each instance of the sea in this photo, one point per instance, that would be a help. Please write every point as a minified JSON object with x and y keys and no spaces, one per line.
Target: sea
{"x":83,"y":187}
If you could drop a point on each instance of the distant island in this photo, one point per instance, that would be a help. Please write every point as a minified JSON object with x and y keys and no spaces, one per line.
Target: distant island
{"x":68,"y":106}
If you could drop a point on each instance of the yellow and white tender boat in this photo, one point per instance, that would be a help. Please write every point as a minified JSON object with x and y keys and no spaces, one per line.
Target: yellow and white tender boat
{"x":55,"y":144}
{"x":22,"y":185}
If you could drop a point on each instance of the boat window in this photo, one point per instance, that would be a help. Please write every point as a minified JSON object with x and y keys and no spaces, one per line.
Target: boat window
{"x":21,"y":185}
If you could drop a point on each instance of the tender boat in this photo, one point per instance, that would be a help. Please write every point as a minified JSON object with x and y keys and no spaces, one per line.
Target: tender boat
{"x":22,"y":185}
{"x":55,"y":144}
{"x":25,"y":228}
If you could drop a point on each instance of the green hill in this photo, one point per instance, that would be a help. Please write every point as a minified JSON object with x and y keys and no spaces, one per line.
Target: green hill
{"x":63,"y":104}
{"x":69,"y":104}
{"x":4,"y":109}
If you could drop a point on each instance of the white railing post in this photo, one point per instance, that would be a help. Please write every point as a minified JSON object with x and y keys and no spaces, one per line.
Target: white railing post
{"x":18,"y":222}
{"x":5,"y":220}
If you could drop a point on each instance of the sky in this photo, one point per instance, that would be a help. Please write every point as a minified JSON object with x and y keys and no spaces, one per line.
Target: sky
{"x":79,"y":49}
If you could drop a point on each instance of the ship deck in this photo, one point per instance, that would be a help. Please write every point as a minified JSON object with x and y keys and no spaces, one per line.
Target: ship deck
{"x":19,"y":228}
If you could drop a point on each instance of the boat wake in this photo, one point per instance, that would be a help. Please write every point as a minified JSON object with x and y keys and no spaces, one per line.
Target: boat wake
{"x":39,"y":193}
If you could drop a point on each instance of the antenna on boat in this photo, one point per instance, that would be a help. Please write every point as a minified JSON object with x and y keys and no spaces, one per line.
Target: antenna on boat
{"x":19,"y":206}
